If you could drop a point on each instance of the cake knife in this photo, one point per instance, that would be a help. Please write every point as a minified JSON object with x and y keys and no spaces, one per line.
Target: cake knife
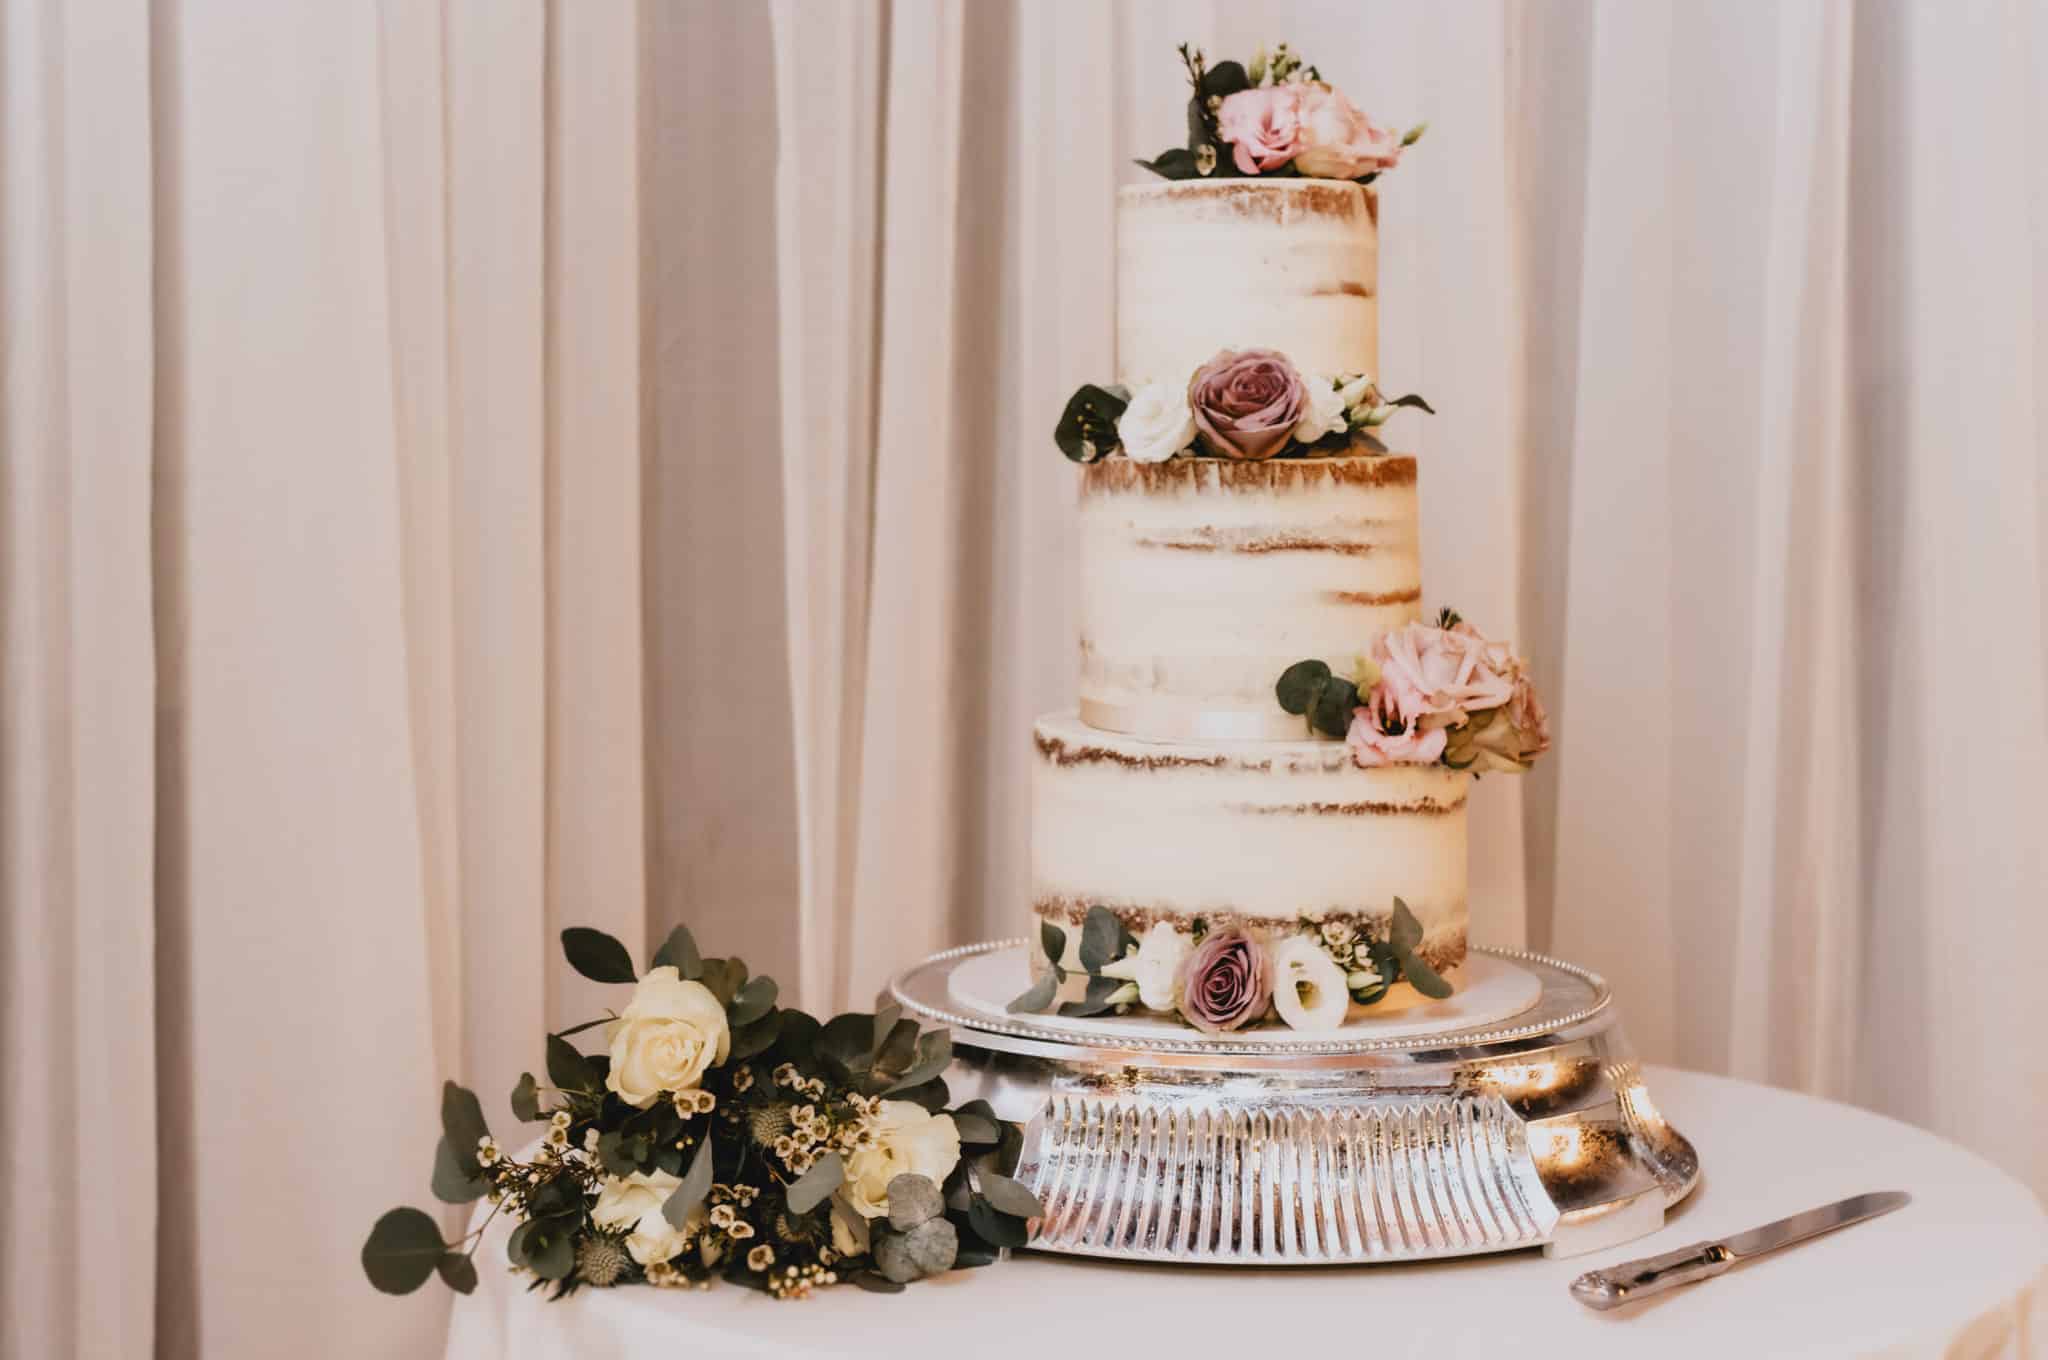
{"x":1633,"y":1280}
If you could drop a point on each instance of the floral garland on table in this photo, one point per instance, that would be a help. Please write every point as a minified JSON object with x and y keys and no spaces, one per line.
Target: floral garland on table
{"x":1426,"y":694}
{"x":1276,"y":116}
{"x":1246,"y":405}
{"x":722,"y":1137}
{"x":1229,"y":979}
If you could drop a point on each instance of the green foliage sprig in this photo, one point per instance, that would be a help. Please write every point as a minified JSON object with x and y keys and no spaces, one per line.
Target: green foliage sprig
{"x":1104,"y":940}
{"x":790,"y":1093}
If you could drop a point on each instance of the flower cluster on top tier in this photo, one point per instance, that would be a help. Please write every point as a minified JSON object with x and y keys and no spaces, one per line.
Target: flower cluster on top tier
{"x":1275,"y":116}
{"x":722,"y":1137}
{"x":1249,"y":404}
{"x":1423,"y":694}
{"x":1228,"y":979}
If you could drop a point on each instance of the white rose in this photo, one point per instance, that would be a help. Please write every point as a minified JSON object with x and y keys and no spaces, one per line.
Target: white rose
{"x":1308,"y":986}
{"x":668,"y":1035}
{"x":1323,"y":412}
{"x":1155,"y":967}
{"x":632,"y":1204}
{"x":906,"y":1139}
{"x":1157,"y":424}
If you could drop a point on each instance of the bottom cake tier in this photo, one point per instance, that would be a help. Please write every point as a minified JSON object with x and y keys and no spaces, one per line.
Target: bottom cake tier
{"x":1273,"y":837}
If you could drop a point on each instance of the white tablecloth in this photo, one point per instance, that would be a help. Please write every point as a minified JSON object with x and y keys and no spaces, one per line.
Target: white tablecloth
{"x":1962,"y":1271}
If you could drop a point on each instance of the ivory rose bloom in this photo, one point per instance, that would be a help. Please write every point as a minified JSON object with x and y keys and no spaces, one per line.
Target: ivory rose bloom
{"x":1337,"y":141}
{"x":1157,"y":424}
{"x":1246,"y":403}
{"x":907,"y":1138}
{"x":1263,"y":127}
{"x":632,"y":1204}
{"x":668,"y":1035}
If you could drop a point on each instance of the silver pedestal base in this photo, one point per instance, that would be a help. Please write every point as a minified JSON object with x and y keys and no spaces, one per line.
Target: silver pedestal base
{"x":1335,"y":1148}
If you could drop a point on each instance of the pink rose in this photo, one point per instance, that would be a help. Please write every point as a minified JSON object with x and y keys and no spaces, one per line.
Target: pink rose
{"x":1226,"y":981}
{"x":1263,"y":127}
{"x":1438,"y":677}
{"x":1246,"y":403}
{"x":1379,"y":735}
{"x":1336,"y":140}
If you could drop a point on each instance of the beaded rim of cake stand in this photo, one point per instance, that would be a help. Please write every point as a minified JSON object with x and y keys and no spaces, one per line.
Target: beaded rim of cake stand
{"x":1224,"y":1045}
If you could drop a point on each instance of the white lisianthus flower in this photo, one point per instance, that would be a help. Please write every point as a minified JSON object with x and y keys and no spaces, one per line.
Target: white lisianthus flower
{"x":1323,"y":412}
{"x":906,"y":1138}
{"x":1155,"y":967}
{"x":1308,"y":986}
{"x":1157,"y":424}
{"x":632,"y":1204}
{"x":669,"y":1034}
{"x":1355,"y":392}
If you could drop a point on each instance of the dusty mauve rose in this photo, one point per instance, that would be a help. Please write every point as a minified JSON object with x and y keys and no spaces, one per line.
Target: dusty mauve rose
{"x":1337,"y":140}
{"x":1246,"y":403}
{"x":1438,"y":677}
{"x":1263,"y":127}
{"x":1226,"y":982}
{"x":1380,"y":735}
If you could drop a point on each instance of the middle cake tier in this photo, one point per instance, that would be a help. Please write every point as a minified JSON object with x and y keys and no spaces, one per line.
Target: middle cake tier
{"x":1202,"y":579}
{"x":1266,"y":836}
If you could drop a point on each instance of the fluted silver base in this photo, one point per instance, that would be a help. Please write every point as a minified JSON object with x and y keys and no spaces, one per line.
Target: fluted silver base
{"x":1536,"y":1131}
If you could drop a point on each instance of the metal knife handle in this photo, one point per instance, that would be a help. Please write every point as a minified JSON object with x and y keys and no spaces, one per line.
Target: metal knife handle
{"x":1632,"y":1280}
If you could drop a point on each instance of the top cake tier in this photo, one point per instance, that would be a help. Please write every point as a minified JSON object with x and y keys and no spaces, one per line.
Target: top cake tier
{"x":1208,"y":265}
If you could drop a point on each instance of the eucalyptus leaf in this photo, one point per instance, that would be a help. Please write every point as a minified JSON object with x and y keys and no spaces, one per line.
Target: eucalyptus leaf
{"x":526,"y":1099}
{"x":1097,"y":999}
{"x":1424,"y":978}
{"x":587,"y":1024}
{"x":1174,"y":163}
{"x":462,"y":1120}
{"x":1299,"y":684}
{"x":455,"y":1177}
{"x":751,"y":1041}
{"x":876,"y":1283}
{"x":1010,"y":1196}
{"x":1224,"y":79}
{"x":928,"y":1249}
{"x":1410,"y":399}
{"x":897,"y":1049}
{"x":551,"y":1250}
{"x":934,"y":1056}
{"x":809,"y":1190}
{"x":1053,"y":941}
{"x":913,"y":1200}
{"x":570,"y":1070}
{"x":680,"y":950}
{"x":724,"y":977}
{"x":692,"y":1192}
{"x":845,"y":1042}
{"x":932,"y":1096}
{"x":1330,"y":714}
{"x":1103,"y":939}
{"x":1035,"y":998}
{"x":1404,"y":934}
{"x":886,"y":1016}
{"x":994,"y":1226}
{"x":977,"y":1124}
{"x":754,"y":1000}
{"x":402,"y":1250}
{"x":597,"y":955}
{"x":612,"y":1155}
{"x":458,"y":1272}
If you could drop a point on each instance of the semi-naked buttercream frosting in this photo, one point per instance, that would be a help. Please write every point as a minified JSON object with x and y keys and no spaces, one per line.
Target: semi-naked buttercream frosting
{"x":1264,"y":835}
{"x":1209,"y":265}
{"x":1203,"y":579}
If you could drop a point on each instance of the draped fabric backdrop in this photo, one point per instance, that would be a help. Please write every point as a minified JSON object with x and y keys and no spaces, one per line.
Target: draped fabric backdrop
{"x":475,"y":467}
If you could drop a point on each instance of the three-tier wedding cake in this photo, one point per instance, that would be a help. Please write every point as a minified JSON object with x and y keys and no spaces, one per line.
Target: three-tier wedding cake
{"x":1258,"y":807}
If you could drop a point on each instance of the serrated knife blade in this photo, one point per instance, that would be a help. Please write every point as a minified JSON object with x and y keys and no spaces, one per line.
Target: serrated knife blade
{"x":1632,"y":1280}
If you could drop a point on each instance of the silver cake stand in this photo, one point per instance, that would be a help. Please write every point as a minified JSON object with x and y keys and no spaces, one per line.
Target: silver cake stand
{"x":1532,"y":1130}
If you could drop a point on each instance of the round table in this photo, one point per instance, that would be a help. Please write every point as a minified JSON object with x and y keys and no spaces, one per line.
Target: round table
{"x":1961,"y":1271}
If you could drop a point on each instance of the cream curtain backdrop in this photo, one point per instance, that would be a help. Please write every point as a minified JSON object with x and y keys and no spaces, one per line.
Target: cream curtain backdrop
{"x":476,"y":467}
